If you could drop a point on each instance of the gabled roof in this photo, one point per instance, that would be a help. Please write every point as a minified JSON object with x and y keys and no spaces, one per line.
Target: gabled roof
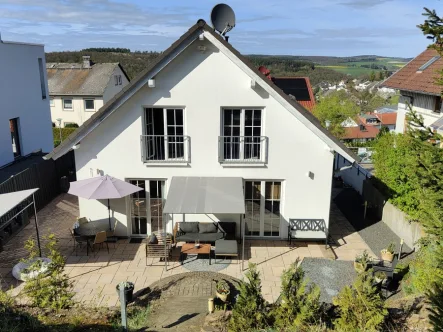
{"x":356,"y":132}
{"x":73,"y":79}
{"x":416,"y":76}
{"x":299,"y":87}
{"x":308,"y":119}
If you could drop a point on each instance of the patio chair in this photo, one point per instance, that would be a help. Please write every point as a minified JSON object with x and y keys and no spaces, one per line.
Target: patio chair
{"x":157,"y":250}
{"x":112,"y":238}
{"x":100,"y":239}
{"x":78,"y":240}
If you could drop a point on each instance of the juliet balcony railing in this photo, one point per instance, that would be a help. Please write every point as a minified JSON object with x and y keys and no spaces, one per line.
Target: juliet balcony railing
{"x":165,"y":148}
{"x":243,"y":149}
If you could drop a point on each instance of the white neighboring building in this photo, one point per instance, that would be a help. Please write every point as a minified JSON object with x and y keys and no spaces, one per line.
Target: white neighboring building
{"x":202,"y":110}
{"x":25,"y":119}
{"x":78,"y":90}
{"x":417,"y":84}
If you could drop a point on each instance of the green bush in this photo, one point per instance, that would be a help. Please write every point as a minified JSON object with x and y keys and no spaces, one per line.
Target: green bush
{"x":53,"y":289}
{"x":65,"y":132}
{"x":425,"y":270}
{"x":249,"y":312}
{"x":300,"y":304}
{"x":435,"y":299}
{"x":71,"y":125}
{"x":360,"y":306}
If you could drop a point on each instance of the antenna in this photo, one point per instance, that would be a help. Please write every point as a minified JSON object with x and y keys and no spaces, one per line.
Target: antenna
{"x":223,"y":19}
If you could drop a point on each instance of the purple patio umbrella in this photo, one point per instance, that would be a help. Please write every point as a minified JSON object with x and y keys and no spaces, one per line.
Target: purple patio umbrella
{"x":102,"y":187}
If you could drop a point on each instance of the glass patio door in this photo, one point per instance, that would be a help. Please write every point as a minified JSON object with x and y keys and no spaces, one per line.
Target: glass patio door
{"x":262,"y":203}
{"x":146,"y":207}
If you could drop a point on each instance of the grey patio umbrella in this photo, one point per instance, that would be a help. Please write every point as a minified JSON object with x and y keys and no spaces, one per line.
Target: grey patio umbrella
{"x":102,"y":187}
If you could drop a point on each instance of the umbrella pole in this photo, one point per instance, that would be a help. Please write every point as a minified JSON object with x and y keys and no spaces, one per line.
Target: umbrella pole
{"x":36,"y":226}
{"x":109,"y":216}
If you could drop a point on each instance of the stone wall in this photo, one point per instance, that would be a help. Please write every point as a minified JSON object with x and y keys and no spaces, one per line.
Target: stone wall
{"x":399,"y":223}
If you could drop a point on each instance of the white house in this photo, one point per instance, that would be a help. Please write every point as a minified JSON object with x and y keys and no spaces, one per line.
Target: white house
{"x":25,"y":119}
{"x":78,"y":90}
{"x":202,"y":110}
{"x":418,"y":89}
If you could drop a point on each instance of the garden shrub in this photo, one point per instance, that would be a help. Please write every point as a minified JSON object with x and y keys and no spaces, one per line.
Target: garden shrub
{"x":53,"y":289}
{"x":299,"y":304}
{"x":360,"y":306}
{"x":71,"y":125}
{"x":249,"y":312}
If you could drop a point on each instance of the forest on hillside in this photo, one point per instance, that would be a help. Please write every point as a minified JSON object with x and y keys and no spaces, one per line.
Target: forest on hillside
{"x":135,"y":62}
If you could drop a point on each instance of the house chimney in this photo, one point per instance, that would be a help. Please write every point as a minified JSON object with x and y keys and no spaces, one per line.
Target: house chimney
{"x":86,"y":61}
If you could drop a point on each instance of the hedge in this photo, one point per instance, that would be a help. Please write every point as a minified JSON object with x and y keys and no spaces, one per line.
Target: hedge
{"x":65,"y":133}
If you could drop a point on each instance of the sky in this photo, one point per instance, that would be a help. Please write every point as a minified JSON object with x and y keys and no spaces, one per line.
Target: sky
{"x":283,"y":27}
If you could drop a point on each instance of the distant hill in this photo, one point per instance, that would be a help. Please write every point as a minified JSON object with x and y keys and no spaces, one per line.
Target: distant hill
{"x":317,"y":68}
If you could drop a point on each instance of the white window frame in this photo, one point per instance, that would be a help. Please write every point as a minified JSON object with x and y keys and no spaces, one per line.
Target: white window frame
{"x":51,"y":102}
{"x":89,"y":109}
{"x":243,"y":126}
{"x":148,"y":208}
{"x":262,"y":206}
{"x":72,"y":104}
{"x":165,"y":127}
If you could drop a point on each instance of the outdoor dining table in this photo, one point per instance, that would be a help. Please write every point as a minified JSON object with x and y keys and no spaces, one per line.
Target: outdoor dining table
{"x":90,"y":229}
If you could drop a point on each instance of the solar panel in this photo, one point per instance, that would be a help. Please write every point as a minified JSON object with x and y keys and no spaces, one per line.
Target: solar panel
{"x":430,"y":62}
{"x":294,"y":86}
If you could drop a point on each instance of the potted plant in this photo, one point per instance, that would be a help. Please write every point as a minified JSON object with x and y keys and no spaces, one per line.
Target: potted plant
{"x":379,"y":276}
{"x":222,"y":290}
{"x":388,"y":253}
{"x":129,"y":289}
{"x":362,"y":261}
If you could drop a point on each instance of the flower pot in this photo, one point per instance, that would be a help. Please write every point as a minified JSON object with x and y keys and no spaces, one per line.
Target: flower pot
{"x":128,"y":292}
{"x":222,"y":296}
{"x":359,"y":267}
{"x":387,"y":256}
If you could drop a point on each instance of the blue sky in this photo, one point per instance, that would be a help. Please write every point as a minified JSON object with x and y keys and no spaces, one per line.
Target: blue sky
{"x":293,"y":27}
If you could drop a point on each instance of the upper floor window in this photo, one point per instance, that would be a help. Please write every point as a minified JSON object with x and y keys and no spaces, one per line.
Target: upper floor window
{"x":51,"y":102}
{"x":164,"y":138}
{"x":118,"y":79}
{"x":67,"y":104}
{"x":42,"y":77}
{"x":89,"y":105}
{"x":242,"y":138}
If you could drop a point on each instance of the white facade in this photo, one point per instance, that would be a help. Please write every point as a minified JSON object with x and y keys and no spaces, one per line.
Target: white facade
{"x":78,"y":109}
{"x":203,"y":84}
{"x":425,"y":105}
{"x":24,"y":97}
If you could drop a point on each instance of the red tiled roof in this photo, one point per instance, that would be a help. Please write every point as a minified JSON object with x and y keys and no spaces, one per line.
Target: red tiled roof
{"x":387,"y":118}
{"x":355,"y":132}
{"x":409,"y":78}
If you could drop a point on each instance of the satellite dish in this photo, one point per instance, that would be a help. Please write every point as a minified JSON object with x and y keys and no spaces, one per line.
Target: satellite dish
{"x":223,"y":18}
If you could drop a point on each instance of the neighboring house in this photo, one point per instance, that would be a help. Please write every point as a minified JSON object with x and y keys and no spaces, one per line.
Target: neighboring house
{"x":78,"y":90}
{"x":203,"y":110}
{"x":25,"y":119}
{"x":417,"y":84}
{"x":360,"y":134}
{"x":379,"y":120}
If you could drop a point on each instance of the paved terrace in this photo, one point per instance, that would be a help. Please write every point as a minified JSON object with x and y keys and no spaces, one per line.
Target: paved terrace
{"x":95,"y":276}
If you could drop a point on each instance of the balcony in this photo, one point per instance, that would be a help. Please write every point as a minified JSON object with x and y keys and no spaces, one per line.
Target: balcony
{"x":243,"y":149}
{"x":165,"y":149}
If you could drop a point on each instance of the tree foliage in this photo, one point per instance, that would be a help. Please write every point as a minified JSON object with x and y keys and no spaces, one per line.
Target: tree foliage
{"x":300,"y":304}
{"x":249,"y":312}
{"x":360,"y":306}
{"x":333,"y":110}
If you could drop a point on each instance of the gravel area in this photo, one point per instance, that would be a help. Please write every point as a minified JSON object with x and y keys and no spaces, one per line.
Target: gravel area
{"x":331,"y":276}
{"x":375,"y":233}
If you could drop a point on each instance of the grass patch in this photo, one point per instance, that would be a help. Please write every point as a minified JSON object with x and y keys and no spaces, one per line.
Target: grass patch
{"x":138,"y":318}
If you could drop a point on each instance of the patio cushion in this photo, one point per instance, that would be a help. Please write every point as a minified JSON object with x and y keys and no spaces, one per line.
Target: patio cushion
{"x":301,"y":234}
{"x":153,"y":239}
{"x":204,"y":237}
{"x":207,"y":227}
{"x":226,"y":247}
{"x":189,"y":227}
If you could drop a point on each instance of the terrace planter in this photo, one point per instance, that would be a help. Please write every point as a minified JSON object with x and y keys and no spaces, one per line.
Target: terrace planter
{"x":387,"y":256}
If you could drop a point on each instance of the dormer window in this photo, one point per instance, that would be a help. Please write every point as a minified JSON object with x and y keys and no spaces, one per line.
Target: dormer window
{"x":118,"y":79}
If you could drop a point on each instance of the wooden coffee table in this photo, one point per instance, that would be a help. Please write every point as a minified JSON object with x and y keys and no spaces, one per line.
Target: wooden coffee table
{"x":190,"y":249}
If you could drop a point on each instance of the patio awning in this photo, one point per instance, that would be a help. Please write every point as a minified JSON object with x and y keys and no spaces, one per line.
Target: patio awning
{"x":205,"y":195}
{"x":11,"y":200}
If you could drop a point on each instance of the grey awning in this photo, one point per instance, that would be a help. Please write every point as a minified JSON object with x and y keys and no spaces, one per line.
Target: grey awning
{"x":11,"y":200}
{"x":205,"y":195}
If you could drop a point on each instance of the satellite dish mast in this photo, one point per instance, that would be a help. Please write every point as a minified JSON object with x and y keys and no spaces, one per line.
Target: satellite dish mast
{"x":223,"y":19}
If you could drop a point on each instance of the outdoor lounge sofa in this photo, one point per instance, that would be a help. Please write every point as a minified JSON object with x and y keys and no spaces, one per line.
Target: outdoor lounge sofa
{"x":205,"y":232}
